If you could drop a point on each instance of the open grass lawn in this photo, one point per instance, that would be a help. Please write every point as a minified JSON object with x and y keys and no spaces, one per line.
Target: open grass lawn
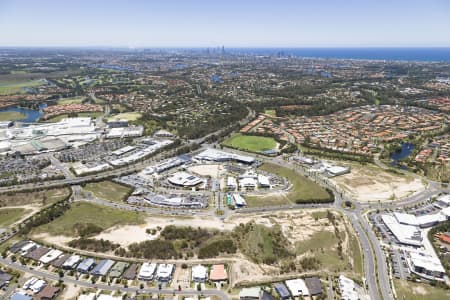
{"x":71,"y":100}
{"x":9,"y":216}
{"x":418,"y":291}
{"x":83,"y":213}
{"x":40,"y":198}
{"x":271,"y":112}
{"x":130,"y":116}
{"x":11,"y":116}
{"x":108,"y":190}
{"x":258,"y":201}
{"x":251,"y":143}
{"x":303,"y":189}
{"x":82,"y":114}
{"x":16,"y":87}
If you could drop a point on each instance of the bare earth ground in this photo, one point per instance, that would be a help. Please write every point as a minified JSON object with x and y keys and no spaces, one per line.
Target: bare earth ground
{"x":373,"y":184}
{"x":213,"y":170}
{"x":297,"y":226}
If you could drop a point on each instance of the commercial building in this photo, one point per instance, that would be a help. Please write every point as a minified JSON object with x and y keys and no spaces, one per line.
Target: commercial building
{"x":222,"y":156}
{"x":405,"y":234}
{"x":231,"y":183}
{"x":103,"y":267}
{"x":333,"y":171}
{"x":199,"y":273}
{"x":147,"y":271}
{"x":184,"y":179}
{"x":443,"y":201}
{"x":164,"y":272}
{"x":117,"y":123}
{"x":297,"y":287}
{"x":239,"y":200}
{"x":426,"y":265}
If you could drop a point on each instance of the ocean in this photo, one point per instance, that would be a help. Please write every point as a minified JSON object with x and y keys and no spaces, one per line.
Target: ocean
{"x":387,"y":54}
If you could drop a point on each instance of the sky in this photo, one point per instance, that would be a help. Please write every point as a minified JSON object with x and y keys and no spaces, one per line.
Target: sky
{"x":233,"y":23}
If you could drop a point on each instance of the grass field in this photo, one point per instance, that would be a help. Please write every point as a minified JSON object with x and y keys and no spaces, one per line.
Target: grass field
{"x":108,"y":190}
{"x":83,"y":114}
{"x":9,"y":216}
{"x":72,"y":100}
{"x":83,"y":213}
{"x":303,"y":189}
{"x":40,"y":198}
{"x":418,"y":291}
{"x":11,"y":116}
{"x":251,"y":143}
{"x":16,"y":87}
{"x":271,"y":112}
{"x":130,"y":116}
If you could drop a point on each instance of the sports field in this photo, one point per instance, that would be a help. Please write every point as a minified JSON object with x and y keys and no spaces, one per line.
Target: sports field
{"x":251,"y":143}
{"x":130,"y":116}
{"x":87,"y":213}
{"x":108,"y":190}
{"x":11,"y":116}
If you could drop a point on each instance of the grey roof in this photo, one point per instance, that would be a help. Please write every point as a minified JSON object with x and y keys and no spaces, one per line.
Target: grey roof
{"x":86,"y":264}
{"x":267,"y":296}
{"x":57,"y":263}
{"x":314,"y":285}
{"x":103,"y":267}
{"x":282,"y":290}
{"x":17,"y":246}
{"x":37,"y":253}
{"x":131,"y":272}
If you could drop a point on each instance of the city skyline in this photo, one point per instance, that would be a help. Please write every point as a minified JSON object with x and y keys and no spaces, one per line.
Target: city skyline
{"x":288,"y":24}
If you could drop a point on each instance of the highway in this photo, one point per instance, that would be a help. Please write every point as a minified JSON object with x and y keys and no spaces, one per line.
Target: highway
{"x":375,"y":267}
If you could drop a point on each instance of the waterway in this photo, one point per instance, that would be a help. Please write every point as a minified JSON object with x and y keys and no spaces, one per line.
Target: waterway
{"x":31,"y":115}
{"x":404,"y":152}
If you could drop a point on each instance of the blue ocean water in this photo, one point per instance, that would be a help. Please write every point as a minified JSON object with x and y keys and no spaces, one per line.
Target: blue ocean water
{"x":404,"y":54}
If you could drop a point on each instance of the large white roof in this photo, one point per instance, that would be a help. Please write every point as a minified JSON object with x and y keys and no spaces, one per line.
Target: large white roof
{"x":297,"y":287}
{"x":403,"y":233}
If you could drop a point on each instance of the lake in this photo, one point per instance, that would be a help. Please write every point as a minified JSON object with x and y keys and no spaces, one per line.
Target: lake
{"x":404,"y":152}
{"x":32,"y":115}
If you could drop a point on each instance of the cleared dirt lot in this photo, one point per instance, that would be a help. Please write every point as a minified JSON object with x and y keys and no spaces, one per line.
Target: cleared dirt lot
{"x":370,"y":183}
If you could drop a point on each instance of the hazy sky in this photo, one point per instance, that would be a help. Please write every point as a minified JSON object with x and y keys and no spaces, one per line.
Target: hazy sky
{"x":233,"y":23}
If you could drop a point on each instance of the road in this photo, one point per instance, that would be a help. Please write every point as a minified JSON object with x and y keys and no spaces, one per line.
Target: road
{"x":70,"y":280}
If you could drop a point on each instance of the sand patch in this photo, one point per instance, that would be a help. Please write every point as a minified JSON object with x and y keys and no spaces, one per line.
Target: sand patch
{"x":214,"y":171}
{"x":373,"y":184}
